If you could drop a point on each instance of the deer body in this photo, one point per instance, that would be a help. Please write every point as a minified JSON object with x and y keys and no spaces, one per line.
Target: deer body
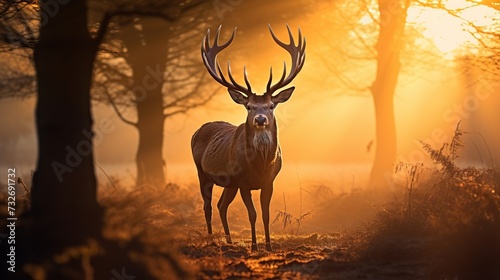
{"x":227,"y":155}
{"x":245,"y":157}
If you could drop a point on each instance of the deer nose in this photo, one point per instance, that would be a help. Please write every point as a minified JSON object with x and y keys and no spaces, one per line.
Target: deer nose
{"x":260,"y":120}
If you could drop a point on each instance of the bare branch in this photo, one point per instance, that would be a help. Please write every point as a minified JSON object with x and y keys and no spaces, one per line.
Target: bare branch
{"x":192,"y":105}
{"x":120,"y":115}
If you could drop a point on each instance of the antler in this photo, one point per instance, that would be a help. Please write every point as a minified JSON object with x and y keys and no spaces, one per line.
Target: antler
{"x":209,"y":55}
{"x":298,"y":58}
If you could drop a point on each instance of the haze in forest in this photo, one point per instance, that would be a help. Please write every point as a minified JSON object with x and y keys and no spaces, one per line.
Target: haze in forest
{"x":327,"y":127}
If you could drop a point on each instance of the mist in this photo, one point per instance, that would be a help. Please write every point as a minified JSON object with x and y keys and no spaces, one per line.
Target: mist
{"x":326,"y":129}
{"x":389,"y":141}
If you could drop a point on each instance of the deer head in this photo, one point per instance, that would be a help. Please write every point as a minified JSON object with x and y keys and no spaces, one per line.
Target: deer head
{"x":260,"y":107}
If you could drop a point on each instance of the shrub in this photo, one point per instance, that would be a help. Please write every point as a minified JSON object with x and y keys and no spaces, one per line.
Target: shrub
{"x":452,"y":218}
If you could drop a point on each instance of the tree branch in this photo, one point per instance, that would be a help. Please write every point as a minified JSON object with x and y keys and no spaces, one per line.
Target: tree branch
{"x":120,"y":115}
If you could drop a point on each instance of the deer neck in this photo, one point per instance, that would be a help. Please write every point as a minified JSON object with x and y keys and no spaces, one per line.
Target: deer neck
{"x":261,"y":144}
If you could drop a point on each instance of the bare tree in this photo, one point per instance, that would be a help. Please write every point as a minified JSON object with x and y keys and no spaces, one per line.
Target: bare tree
{"x":18,"y":37}
{"x":153,"y":73}
{"x":18,"y":26}
{"x":387,"y":39}
{"x":147,"y":69}
{"x":388,"y":47}
{"x":64,"y":210}
{"x":64,"y":206}
{"x":381,"y":42}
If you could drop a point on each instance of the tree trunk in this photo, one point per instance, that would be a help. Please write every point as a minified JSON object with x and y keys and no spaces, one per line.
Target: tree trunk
{"x":147,"y":55}
{"x":392,"y":24}
{"x":64,"y":205}
{"x":149,"y":157}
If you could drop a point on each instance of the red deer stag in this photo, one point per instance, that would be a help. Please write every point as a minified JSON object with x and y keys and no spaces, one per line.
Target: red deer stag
{"x":245,"y":157}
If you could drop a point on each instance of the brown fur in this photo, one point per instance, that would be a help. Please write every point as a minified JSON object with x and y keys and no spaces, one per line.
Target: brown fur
{"x":246,"y":157}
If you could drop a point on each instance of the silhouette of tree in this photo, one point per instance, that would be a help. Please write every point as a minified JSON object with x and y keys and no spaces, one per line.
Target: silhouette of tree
{"x":378,"y":31}
{"x":18,"y":37}
{"x":153,"y":73}
{"x":148,"y":66}
{"x":56,"y":37}
{"x":64,"y":206}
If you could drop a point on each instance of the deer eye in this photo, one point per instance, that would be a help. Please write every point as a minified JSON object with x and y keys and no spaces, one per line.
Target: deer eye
{"x":271,"y":107}
{"x":248,"y":107}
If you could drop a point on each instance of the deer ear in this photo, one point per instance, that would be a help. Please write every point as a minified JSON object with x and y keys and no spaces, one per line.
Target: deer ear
{"x":237,"y":96}
{"x":283,"y":95}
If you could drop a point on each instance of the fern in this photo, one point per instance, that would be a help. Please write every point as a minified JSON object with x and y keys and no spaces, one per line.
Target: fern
{"x":439,"y":157}
{"x":448,"y":153}
{"x":456,"y":142}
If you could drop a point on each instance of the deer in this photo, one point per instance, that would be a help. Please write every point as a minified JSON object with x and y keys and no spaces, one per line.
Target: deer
{"x":245,"y":157}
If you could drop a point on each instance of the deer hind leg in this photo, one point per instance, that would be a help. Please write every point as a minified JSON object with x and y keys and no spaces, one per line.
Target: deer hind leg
{"x":206,"y":187}
{"x":265,"y":200}
{"x":226,"y":198}
{"x":252,"y":215}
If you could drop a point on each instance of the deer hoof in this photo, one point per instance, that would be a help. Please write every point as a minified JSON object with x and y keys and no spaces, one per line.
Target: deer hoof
{"x":254,"y":247}
{"x":268,"y":247}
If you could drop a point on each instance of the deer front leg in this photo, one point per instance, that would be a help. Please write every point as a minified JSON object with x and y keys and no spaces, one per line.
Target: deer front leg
{"x":206,"y":187}
{"x":226,"y":198}
{"x":265,"y":200}
{"x":252,"y":215}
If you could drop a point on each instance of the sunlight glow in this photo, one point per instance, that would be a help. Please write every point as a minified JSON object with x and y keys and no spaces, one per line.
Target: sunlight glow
{"x":448,"y":33}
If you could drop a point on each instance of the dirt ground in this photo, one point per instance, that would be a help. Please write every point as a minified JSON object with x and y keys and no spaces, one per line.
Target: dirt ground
{"x":160,"y":234}
{"x":310,"y":254}
{"x":293,"y":257}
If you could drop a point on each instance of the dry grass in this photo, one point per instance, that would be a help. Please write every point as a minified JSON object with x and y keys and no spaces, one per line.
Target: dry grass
{"x":452,"y":219}
{"x":288,"y":220}
{"x":446,"y":225}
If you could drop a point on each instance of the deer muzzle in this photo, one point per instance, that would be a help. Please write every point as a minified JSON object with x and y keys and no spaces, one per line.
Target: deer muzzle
{"x":260,"y":121}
